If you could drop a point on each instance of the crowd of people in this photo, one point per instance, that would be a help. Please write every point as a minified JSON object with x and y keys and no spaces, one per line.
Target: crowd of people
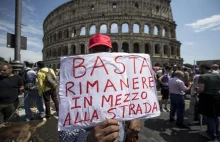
{"x":203,"y":86}
{"x":38,"y":84}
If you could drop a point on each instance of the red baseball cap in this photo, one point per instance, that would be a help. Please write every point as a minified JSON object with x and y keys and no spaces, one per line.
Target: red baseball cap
{"x":100,"y":39}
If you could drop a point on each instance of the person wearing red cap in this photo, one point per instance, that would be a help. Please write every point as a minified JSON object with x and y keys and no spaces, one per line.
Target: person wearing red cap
{"x":109,"y":130}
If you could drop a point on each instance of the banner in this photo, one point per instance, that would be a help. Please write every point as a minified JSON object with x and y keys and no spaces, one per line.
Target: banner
{"x":104,"y":86}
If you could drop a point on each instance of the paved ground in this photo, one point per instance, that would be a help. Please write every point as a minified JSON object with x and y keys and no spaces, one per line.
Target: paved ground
{"x":152,"y":130}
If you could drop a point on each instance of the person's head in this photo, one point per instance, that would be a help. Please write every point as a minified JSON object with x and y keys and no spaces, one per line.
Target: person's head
{"x":100,"y":43}
{"x":167,"y":68}
{"x":185,"y":69}
{"x":204,"y":68}
{"x":6,"y":70}
{"x":174,"y":67}
{"x":27,"y":64}
{"x":215,"y":67}
{"x":40,"y":64}
{"x":179,"y":74}
{"x":197,"y":71}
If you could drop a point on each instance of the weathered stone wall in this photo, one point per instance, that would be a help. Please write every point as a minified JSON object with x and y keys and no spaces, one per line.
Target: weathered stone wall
{"x":140,"y":26}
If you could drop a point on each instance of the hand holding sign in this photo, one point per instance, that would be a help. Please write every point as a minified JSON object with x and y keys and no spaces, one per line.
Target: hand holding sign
{"x":107,"y":130}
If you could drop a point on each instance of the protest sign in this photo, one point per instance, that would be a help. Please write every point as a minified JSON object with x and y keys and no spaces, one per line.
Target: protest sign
{"x":104,"y":86}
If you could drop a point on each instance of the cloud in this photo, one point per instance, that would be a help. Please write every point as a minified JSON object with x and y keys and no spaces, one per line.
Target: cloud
{"x":188,"y":44}
{"x":32,"y":30}
{"x":209,"y":23}
{"x":34,"y":42}
{"x":216,"y":29}
{"x":25,"y":54}
{"x":6,"y":26}
{"x":2,"y":40}
{"x":28,"y":7}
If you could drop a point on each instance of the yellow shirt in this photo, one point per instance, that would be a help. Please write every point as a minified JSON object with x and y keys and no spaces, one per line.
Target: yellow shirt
{"x":41,"y":80}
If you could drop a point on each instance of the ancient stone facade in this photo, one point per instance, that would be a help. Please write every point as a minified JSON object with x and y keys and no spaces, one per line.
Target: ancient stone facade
{"x":138,"y":26}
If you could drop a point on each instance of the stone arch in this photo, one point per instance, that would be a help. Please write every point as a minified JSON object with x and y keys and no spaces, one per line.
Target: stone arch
{"x":54,"y":52}
{"x":147,"y":48}
{"x":178,"y":51}
{"x":60,"y":36}
{"x":125,"y":28}
{"x":114,"y":47}
{"x":73,"y":50}
{"x":92,"y":30}
{"x":65,"y":50}
{"x":48,"y":40}
{"x":54,"y":37}
{"x":157,"y":49}
{"x":125,"y":47}
{"x":165,"y":32}
{"x":66,"y":33}
{"x":136,"y":28}
{"x":165,"y":50}
{"x":83,"y":31}
{"x":136,"y":5}
{"x":172,"y":33}
{"x":51,"y":38}
{"x":173,"y":50}
{"x":156,"y":30}
{"x":103,"y":29}
{"x":73,"y":33}
{"x":59,"y":51}
{"x":136,"y":48}
{"x":146,"y":29}
{"x":82,"y":49}
{"x":114,"y":28}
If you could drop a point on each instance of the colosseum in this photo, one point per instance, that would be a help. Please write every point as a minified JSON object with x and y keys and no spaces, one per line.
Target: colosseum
{"x":135,"y":26}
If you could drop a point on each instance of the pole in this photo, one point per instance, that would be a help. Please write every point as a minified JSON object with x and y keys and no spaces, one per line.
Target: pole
{"x":17,"y":55}
{"x":16,"y":63}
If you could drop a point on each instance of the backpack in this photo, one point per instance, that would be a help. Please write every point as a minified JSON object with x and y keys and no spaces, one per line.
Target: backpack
{"x":29,"y":85}
{"x":50,"y":79}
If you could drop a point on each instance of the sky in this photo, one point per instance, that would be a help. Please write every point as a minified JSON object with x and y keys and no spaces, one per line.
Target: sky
{"x":198,"y":27}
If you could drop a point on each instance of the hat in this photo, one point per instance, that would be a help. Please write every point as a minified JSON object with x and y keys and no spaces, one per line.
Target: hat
{"x":100,"y":39}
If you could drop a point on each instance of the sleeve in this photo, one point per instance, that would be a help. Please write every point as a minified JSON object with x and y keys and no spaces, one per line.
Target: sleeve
{"x":201,"y":80}
{"x":182,"y":86}
{"x":40,"y":83}
{"x":76,"y":135}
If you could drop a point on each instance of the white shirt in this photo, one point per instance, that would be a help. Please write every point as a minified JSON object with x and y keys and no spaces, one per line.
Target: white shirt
{"x":176,"y":86}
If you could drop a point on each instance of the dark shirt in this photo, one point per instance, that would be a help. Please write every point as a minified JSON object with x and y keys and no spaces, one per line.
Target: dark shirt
{"x":9,"y":89}
{"x":212,"y":83}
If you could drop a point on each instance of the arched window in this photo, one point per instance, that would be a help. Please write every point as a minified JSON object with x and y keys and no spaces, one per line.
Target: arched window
{"x":114,"y":28}
{"x":66,"y":33}
{"x":103,"y":28}
{"x":136,"y":5}
{"x":82,"y":48}
{"x":172,"y":50}
{"x":136,"y":28}
{"x":55,"y":37}
{"x":48,"y":40}
{"x":114,"y":5}
{"x":136,"y":48}
{"x":172,"y":32}
{"x":92,"y":30}
{"x":164,"y":33}
{"x":54,"y":52}
{"x":125,"y":28}
{"x":73,"y":34}
{"x":178,"y":51}
{"x":73,"y":50}
{"x":165,"y":50}
{"x":125,"y":47}
{"x":114,"y":47}
{"x":59,"y":51}
{"x":146,"y":29}
{"x":92,"y":8}
{"x":156,"y":30}
{"x":65,"y":50}
{"x":51,"y":38}
{"x":60,"y":35}
{"x":147,"y":48}
{"x":157,"y":49}
{"x":83,"y":31}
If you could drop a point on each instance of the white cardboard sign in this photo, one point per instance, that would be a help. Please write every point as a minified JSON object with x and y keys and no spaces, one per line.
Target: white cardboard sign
{"x":104,"y":86}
